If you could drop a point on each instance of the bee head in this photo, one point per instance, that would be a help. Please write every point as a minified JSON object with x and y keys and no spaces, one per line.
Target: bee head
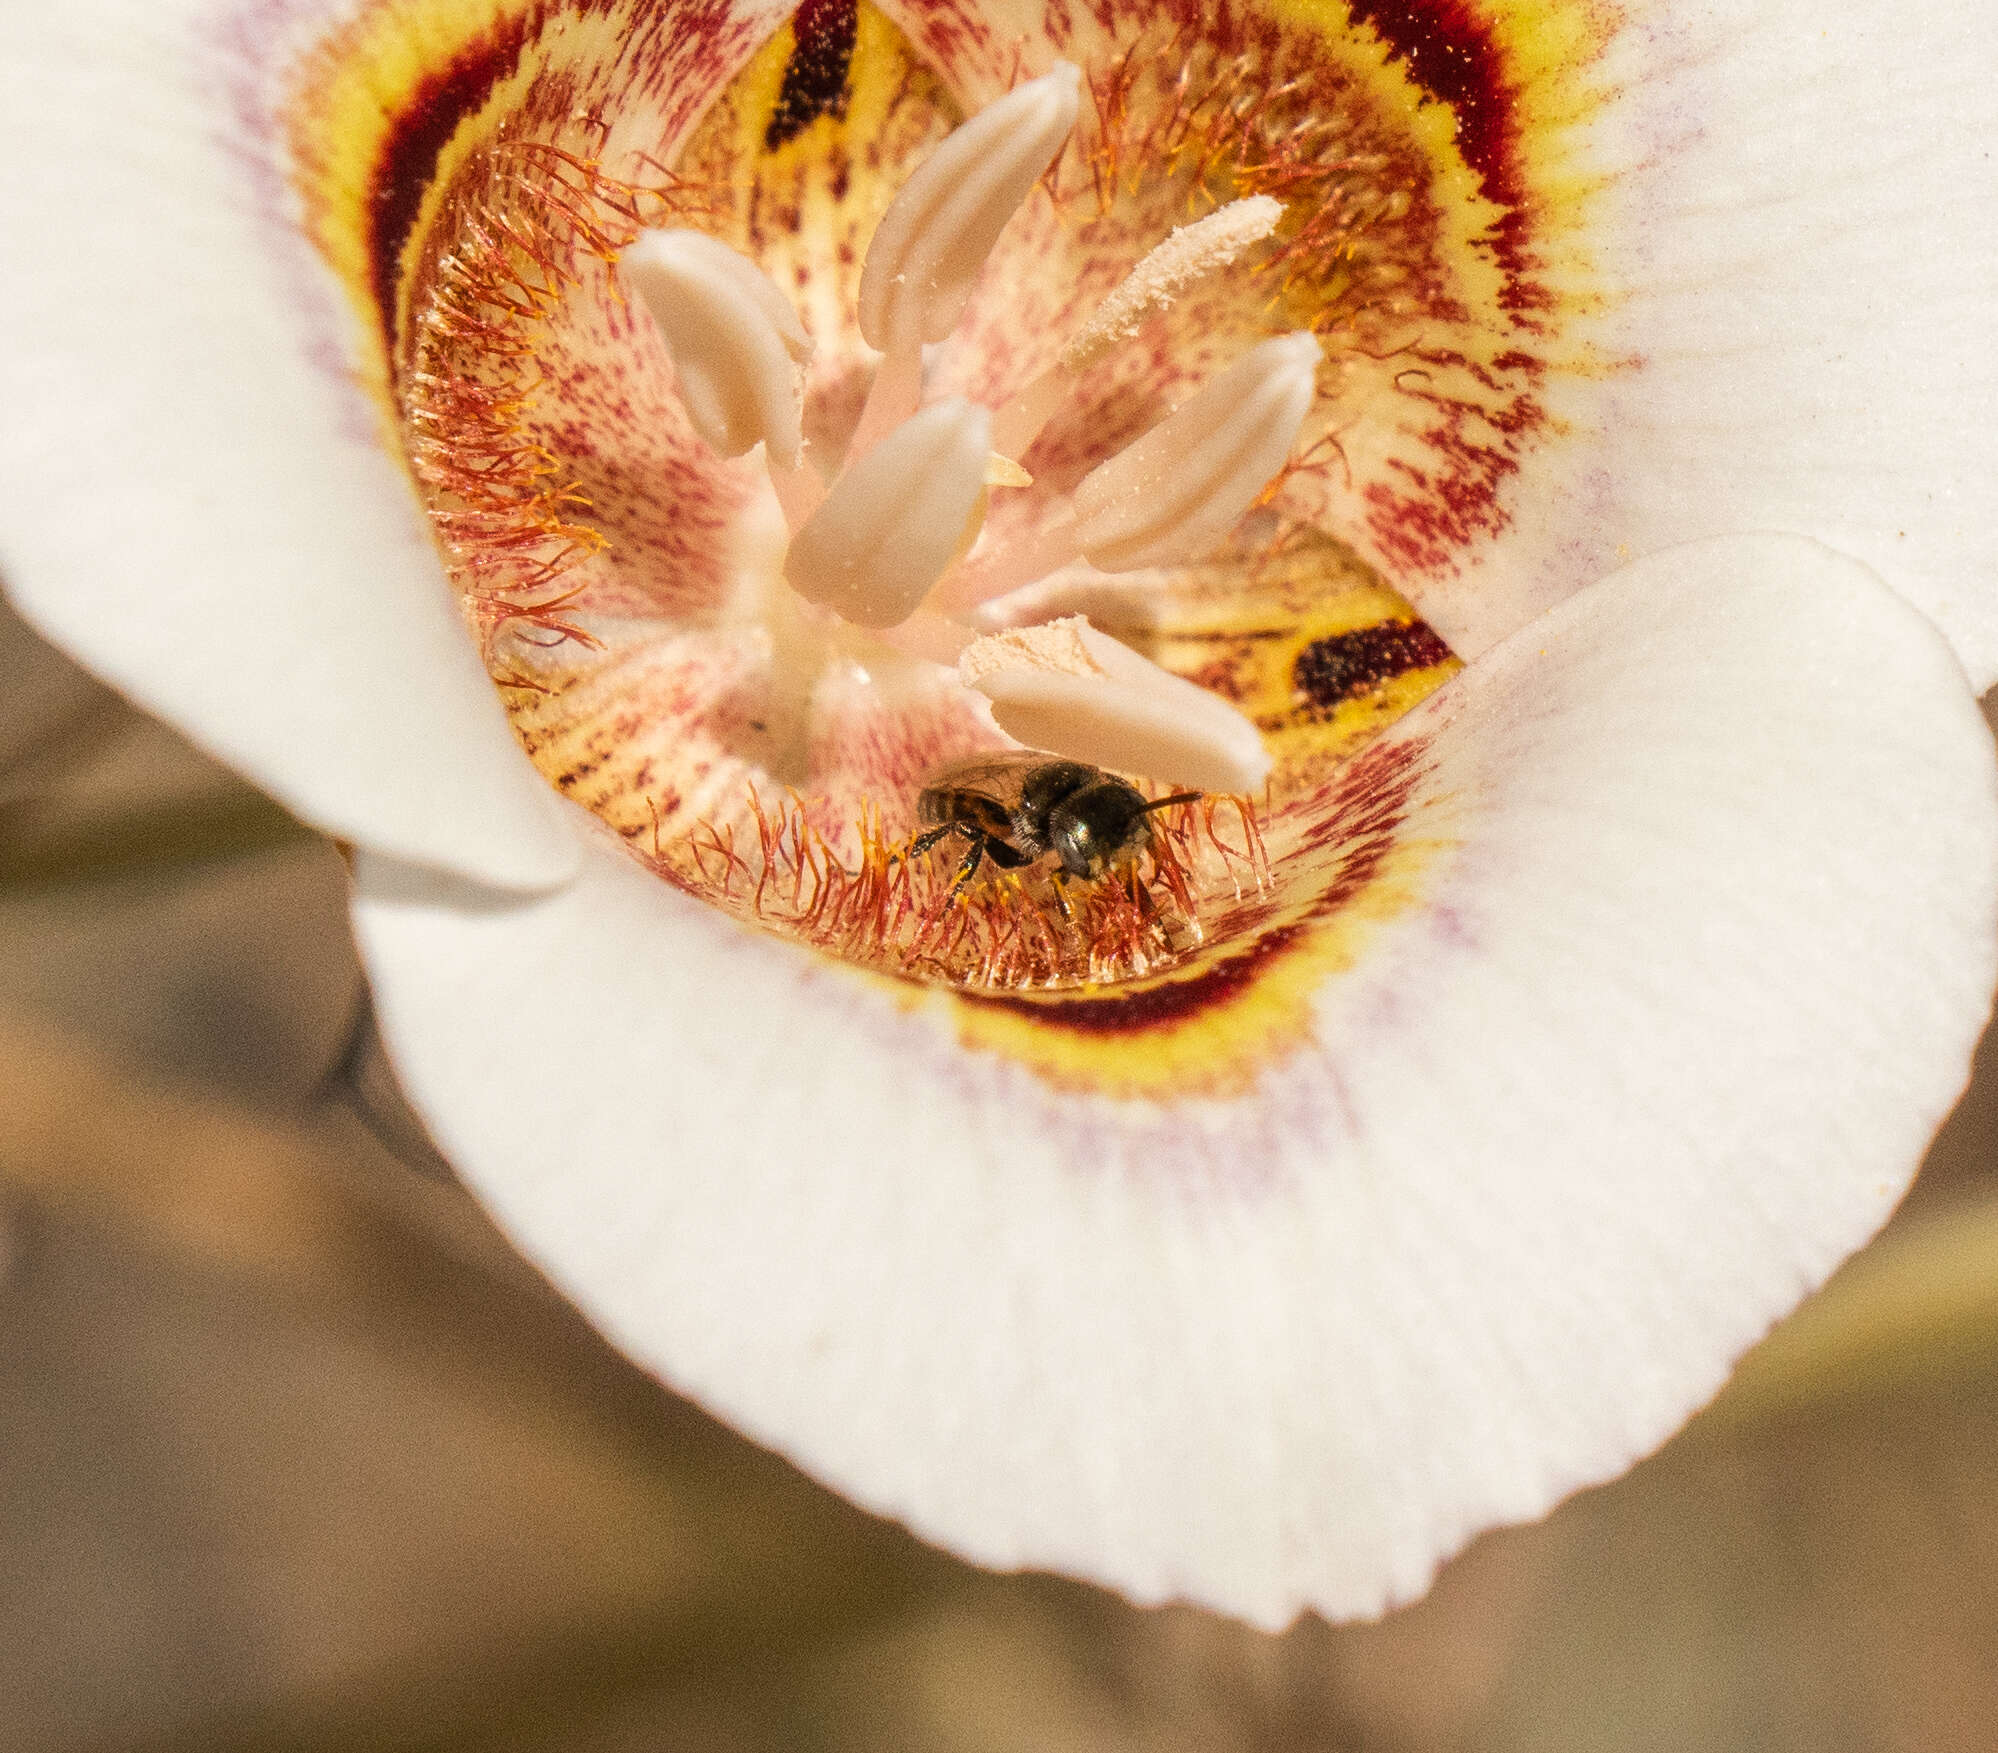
{"x":1099,"y":827}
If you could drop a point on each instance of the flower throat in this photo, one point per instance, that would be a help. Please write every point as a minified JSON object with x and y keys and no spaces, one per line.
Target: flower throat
{"x":761,"y":739}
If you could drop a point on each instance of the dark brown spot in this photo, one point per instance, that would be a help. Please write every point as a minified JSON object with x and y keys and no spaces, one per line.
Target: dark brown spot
{"x":815,"y":76}
{"x":1153,"y":1007}
{"x":1448,"y":51}
{"x":1451,"y":53}
{"x":1328,"y":671}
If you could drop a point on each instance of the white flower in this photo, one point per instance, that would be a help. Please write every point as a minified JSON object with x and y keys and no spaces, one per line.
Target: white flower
{"x":1593,"y":1012}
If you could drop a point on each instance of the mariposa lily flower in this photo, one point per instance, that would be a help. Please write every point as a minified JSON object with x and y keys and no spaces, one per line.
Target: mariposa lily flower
{"x":1364,"y":1160}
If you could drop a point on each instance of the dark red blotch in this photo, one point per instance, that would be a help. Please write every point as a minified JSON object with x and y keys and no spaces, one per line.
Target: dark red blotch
{"x":815,"y":76}
{"x":1330,"y":670}
{"x":422,"y":130}
{"x":1448,"y":51}
{"x":1451,"y":53}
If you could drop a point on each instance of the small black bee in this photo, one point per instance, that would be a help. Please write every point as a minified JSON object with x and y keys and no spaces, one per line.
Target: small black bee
{"x":1018,"y":806}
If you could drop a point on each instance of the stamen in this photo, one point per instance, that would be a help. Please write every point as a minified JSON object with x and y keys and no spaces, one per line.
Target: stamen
{"x":1191,"y":253}
{"x":1065,"y":687}
{"x":736,"y":342}
{"x":1172,"y":496}
{"x":896,"y":519}
{"x":932,"y":242}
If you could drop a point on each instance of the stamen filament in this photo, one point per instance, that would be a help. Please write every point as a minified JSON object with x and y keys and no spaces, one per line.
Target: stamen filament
{"x":799,"y":644}
{"x":895,"y":394}
{"x":927,"y":634}
{"x":800,"y":488}
{"x":988,"y":577}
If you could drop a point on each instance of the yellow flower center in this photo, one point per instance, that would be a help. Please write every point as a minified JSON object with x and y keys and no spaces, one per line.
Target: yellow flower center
{"x":476,"y":190}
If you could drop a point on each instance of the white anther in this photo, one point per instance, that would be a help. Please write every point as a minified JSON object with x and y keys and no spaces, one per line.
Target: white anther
{"x":1073,"y":691}
{"x":896,"y":519}
{"x":1191,"y":254}
{"x":1170,"y":497}
{"x":736,"y":342}
{"x":935,"y":236}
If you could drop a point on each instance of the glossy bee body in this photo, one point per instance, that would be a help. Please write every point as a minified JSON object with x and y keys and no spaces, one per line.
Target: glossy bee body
{"x":1020,"y":806}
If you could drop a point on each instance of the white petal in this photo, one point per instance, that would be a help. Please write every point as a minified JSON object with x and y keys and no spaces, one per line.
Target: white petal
{"x":194,"y":499}
{"x":1661,"y":1040}
{"x":1805,"y":263}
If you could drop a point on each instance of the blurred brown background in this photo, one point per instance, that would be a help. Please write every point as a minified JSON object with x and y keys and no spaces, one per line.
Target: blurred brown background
{"x":294,"y":1454}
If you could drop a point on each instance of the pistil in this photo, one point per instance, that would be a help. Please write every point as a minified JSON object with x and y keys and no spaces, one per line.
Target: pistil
{"x":1190,"y":254}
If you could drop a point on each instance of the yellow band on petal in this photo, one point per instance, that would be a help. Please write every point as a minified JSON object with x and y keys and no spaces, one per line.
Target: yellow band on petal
{"x":391,"y":108}
{"x":393,"y":77}
{"x":1227,"y":1015}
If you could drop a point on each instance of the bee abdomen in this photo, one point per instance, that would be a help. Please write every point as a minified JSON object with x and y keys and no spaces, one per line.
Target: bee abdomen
{"x":938,"y":804}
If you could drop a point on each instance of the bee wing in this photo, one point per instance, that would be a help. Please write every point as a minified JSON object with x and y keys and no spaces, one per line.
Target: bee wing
{"x":996,"y":777}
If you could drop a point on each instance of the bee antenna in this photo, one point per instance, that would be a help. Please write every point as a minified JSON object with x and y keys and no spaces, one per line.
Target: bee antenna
{"x":1160,"y":803}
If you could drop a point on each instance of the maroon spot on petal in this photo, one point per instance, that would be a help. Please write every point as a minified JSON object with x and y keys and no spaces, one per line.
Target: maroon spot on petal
{"x":1448,"y":51}
{"x":1152,"y":1007}
{"x":1328,"y":671}
{"x":414,"y":143}
{"x":1451,"y":53}
{"x":815,"y":76}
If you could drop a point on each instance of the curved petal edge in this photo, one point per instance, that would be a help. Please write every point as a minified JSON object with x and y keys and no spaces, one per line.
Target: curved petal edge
{"x":1695,"y":974}
{"x":197,"y":498}
{"x":1801,"y":356}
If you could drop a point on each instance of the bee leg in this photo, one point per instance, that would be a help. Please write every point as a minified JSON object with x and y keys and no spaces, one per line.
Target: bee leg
{"x":1061,"y":898}
{"x":972,"y":859}
{"x":923,"y":842}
